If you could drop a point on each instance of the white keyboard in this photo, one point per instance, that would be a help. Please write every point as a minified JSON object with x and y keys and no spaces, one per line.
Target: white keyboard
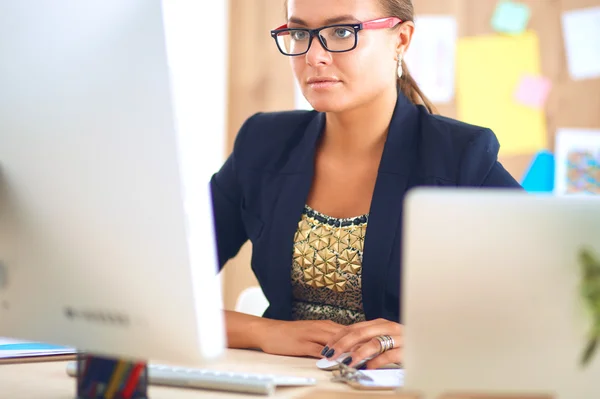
{"x":262,"y":384}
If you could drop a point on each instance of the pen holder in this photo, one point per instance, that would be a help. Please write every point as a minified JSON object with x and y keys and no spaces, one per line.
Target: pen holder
{"x":108,"y":378}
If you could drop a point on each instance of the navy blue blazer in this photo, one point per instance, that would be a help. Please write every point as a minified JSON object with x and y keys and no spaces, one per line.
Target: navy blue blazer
{"x":260,"y":191}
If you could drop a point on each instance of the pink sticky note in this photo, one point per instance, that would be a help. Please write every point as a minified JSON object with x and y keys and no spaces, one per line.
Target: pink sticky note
{"x":533,"y":91}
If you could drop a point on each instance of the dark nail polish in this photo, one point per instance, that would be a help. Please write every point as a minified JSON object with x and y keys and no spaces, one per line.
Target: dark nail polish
{"x":325,"y":350}
{"x":330,"y":353}
{"x":347,"y":360}
{"x":362,"y":366}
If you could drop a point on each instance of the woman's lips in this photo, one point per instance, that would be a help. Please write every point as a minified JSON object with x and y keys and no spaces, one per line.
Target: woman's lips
{"x":322,"y":83}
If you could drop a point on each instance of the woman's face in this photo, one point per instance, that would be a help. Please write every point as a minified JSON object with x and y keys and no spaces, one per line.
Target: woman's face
{"x":335,"y":82}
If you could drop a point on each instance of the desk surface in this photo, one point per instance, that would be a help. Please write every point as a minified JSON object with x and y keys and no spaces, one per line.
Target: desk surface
{"x":49,"y":379}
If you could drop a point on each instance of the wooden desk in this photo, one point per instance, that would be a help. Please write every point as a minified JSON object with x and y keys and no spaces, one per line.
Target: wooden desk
{"x":49,"y":380}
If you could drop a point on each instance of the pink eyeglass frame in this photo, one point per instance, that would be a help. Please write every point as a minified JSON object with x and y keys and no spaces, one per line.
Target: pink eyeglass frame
{"x":380,"y":23}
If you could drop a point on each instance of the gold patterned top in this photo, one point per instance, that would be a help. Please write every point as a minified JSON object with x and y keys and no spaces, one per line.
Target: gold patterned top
{"x":327,"y":267}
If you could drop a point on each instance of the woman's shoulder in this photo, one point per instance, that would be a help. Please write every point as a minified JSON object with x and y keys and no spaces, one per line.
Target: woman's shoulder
{"x":460,"y":152}
{"x":457,"y":134}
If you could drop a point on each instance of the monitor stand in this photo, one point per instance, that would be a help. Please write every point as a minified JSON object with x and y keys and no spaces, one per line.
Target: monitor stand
{"x":109,"y":378}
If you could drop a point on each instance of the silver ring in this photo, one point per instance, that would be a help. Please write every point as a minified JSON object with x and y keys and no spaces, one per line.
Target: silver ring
{"x":385,"y":343}
{"x":391,"y":341}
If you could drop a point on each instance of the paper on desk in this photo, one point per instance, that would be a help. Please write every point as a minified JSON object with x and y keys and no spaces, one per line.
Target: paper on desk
{"x":431,"y":57}
{"x":486,"y":84}
{"x":11,"y":348}
{"x":581,"y":30}
{"x":384,"y":378}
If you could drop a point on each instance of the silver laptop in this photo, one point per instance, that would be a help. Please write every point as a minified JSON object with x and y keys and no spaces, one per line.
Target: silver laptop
{"x":491,"y":292}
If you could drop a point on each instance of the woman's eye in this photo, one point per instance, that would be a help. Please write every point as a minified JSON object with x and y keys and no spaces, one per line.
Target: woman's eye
{"x":343,"y":33}
{"x":299,"y":35}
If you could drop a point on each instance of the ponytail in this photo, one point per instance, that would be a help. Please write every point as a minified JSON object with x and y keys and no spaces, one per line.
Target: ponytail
{"x":409,"y":87}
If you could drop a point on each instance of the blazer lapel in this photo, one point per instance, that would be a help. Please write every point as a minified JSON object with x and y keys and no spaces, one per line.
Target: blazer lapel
{"x":292,"y":185}
{"x":383,"y":229}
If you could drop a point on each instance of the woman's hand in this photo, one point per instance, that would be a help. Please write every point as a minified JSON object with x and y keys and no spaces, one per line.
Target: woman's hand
{"x":361,"y":341}
{"x":297,"y":338}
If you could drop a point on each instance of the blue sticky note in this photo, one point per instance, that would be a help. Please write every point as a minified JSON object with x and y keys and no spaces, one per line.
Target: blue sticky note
{"x":540,"y":175}
{"x":510,"y":17}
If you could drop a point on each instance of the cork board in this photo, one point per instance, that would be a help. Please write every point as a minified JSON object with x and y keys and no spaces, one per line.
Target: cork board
{"x":574,"y":104}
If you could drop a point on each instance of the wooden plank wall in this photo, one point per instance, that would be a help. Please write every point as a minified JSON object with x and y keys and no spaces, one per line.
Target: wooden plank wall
{"x":260,"y":79}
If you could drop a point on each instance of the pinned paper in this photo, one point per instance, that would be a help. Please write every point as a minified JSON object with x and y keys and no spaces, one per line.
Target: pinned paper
{"x":539,"y":177}
{"x":581,"y":30}
{"x":431,"y":57}
{"x":486,"y":81}
{"x":510,"y":17}
{"x":577,"y":157}
{"x":533,"y":91}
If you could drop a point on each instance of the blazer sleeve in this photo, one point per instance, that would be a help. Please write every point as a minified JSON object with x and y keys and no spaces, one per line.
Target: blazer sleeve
{"x":227,"y":197}
{"x":480,"y":166}
{"x":499,"y":177}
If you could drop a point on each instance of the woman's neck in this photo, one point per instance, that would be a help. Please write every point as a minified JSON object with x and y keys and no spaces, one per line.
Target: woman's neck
{"x":362,"y":130}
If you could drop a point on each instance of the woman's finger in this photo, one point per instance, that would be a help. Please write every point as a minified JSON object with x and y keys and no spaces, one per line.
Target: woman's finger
{"x":342,"y":331}
{"x":355,"y":336}
{"x":319,"y":336}
{"x":367,"y":350}
{"x":312,"y":349}
{"x":322,"y":333}
{"x":294,"y":347}
{"x":389,"y":357}
{"x":371,"y":349}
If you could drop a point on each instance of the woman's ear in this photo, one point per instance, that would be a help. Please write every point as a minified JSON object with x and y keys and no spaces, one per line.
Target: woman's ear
{"x":405,"y":33}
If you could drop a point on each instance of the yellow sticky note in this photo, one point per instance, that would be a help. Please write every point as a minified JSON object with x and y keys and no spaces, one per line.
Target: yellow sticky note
{"x":489,"y":68}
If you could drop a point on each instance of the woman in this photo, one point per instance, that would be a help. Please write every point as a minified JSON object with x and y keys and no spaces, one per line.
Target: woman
{"x":320,"y":193}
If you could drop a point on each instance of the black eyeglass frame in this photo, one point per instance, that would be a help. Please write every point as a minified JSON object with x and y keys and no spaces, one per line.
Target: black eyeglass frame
{"x":315,"y":33}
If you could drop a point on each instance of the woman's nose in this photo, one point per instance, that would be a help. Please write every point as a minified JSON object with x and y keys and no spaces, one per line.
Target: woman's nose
{"x":317,"y":54}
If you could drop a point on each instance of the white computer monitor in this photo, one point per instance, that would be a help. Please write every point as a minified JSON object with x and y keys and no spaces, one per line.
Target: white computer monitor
{"x":106,"y":228}
{"x":492,"y":292}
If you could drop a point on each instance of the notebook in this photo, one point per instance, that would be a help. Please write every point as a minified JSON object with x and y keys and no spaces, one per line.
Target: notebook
{"x":17,"y":349}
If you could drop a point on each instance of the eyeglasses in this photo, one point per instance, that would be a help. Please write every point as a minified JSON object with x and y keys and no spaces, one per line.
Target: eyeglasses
{"x":336,"y":38}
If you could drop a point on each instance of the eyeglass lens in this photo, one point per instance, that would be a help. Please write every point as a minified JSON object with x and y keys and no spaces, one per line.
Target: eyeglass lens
{"x":334,"y":38}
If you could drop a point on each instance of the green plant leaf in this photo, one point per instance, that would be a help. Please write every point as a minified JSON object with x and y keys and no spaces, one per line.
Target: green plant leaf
{"x":589,"y":351}
{"x":590,"y":294}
